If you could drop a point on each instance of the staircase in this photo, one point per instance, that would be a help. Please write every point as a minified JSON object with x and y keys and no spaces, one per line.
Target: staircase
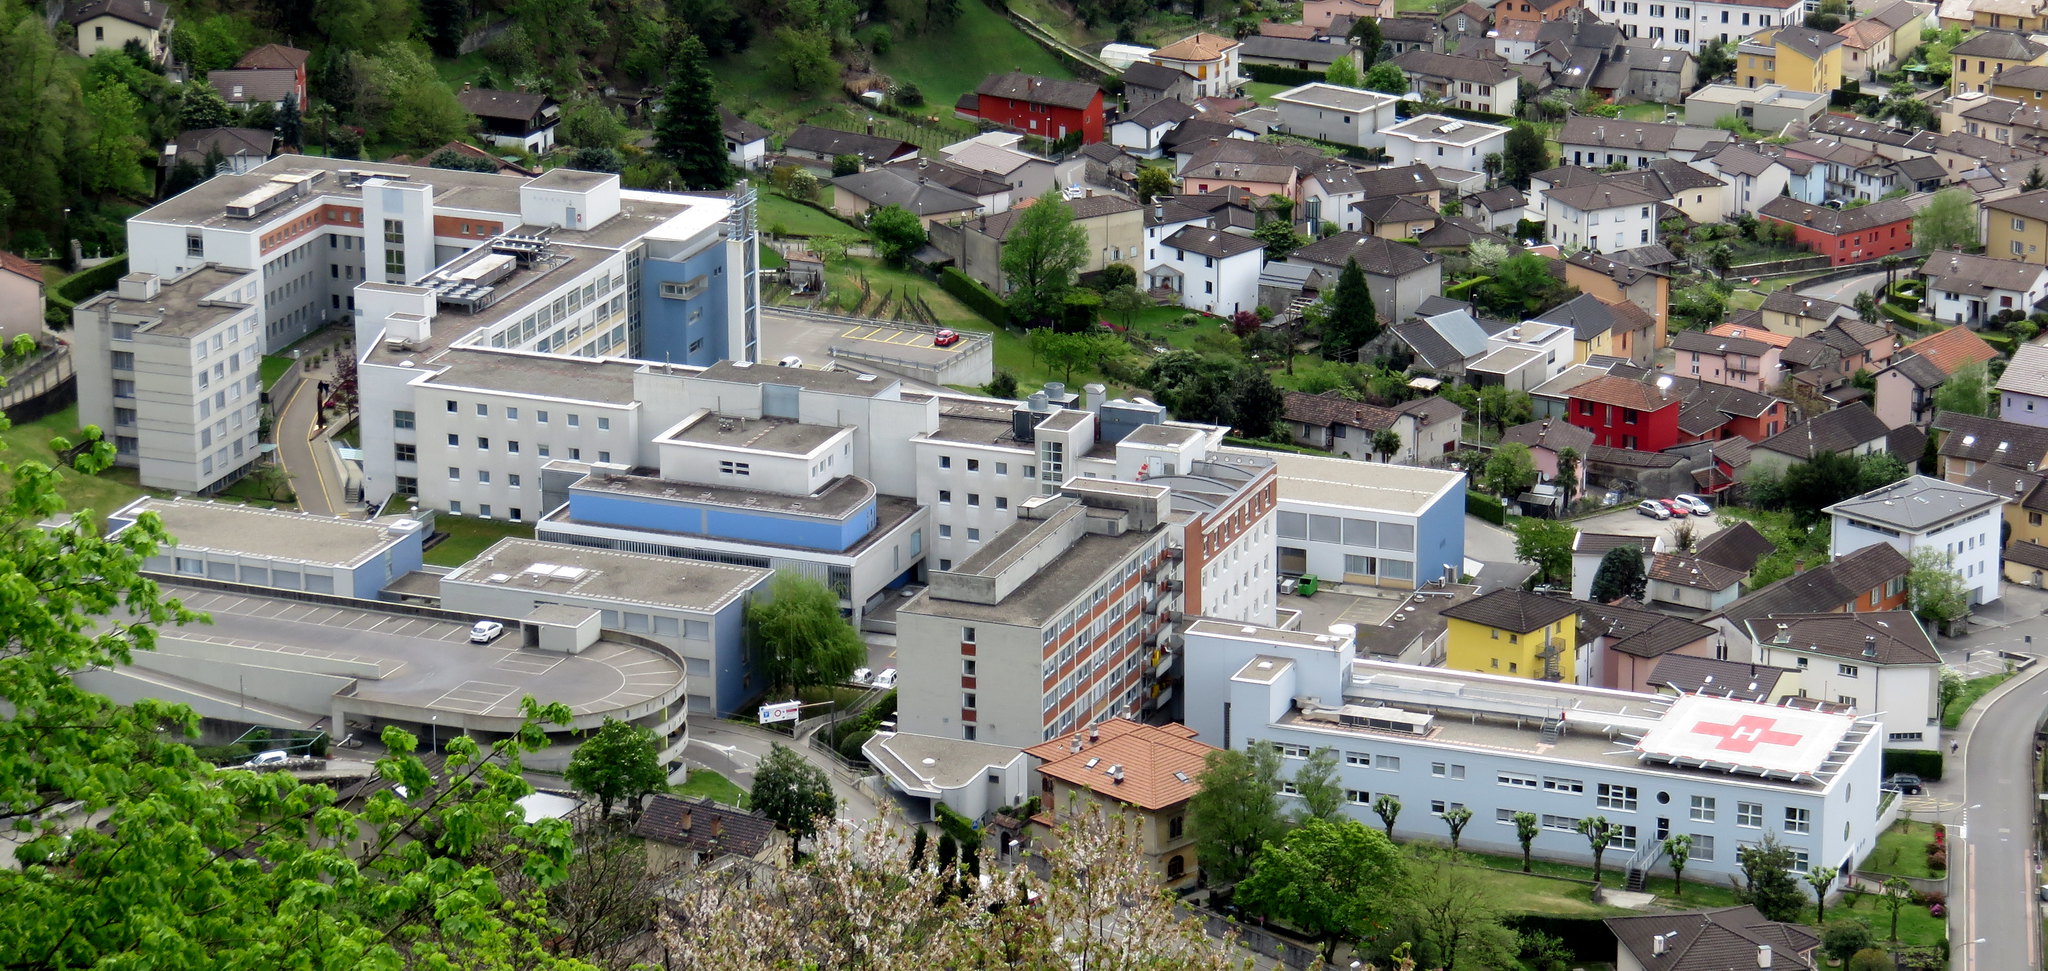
{"x":1553,"y":729}
{"x":1639,"y":865}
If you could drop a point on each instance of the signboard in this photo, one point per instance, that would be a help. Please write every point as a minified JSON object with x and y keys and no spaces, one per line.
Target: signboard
{"x":781,"y":711}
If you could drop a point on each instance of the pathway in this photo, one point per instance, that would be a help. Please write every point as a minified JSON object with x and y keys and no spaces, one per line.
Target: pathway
{"x":304,"y":452}
{"x":1845,"y":291}
{"x":1999,"y":867}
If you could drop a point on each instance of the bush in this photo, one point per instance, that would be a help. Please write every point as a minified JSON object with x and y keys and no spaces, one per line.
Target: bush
{"x":1486,"y":507}
{"x":1937,"y":858}
{"x":1275,"y":74}
{"x":1871,"y":959}
{"x":97,"y":280}
{"x":1925,"y":763}
{"x":977,"y":298}
{"x":1841,"y":939}
{"x":850,"y":743}
{"x":960,"y":827}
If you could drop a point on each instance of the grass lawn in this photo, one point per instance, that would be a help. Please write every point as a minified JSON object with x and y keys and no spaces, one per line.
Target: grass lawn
{"x":772,"y":260}
{"x":469,"y":537}
{"x":1902,"y":852}
{"x":455,"y":70}
{"x":1750,"y":298}
{"x":1263,"y":92}
{"x":1917,"y":927}
{"x":844,"y":281}
{"x":784,"y":216}
{"x":1973,"y":689}
{"x":104,"y":493}
{"x":248,"y":489}
{"x":1525,"y":893}
{"x":979,"y":42}
{"x":1649,"y":111}
{"x":704,"y":782}
{"x":273,"y":367}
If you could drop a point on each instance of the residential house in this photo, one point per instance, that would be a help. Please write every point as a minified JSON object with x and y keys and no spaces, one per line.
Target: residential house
{"x":1321,"y":14}
{"x":1400,"y":275}
{"x":1767,"y":108}
{"x":238,"y":149}
{"x":1442,"y":341}
{"x":1541,"y":11}
{"x":1983,"y":56}
{"x":1876,"y":42}
{"x":1905,"y":388}
{"x":1753,"y":177}
{"x":1257,"y":168}
{"x":524,"y":120}
{"x":1523,"y":356}
{"x":1719,"y":412}
{"x":1409,"y":33}
{"x":1331,"y":113}
{"x":1208,"y":58}
{"x":1444,"y":142}
{"x":1514,"y":633}
{"x":1049,"y":108}
{"x":278,"y":57}
{"x":1971,"y":444}
{"x":1416,"y":183}
{"x":1996,"y":15}
{"x":1919,"y":513}
{"x":2003,"y":120}
{"x":1800,"y":58}
{"x":1464,"y":26}
{"x":1853,"y":429}
{"x":1337,"y":424}
{"x":2025,"y":85}
{"x":1211,"y":270}
{"x":1101,"y":167}
{"x":1589,"y":548}
{"x":1618,"y":329}
{"x":746,"y":144}
{"x":1786,"y":312}
{"x":1147,"y":84}
{"x":1853,"y":235}
{"x":1498,"y":208}
{"x":2022,"y":389}
{"x":684,"y":835}
{"x":1197,"y":133}
{"x":21,"y":297}
{"x":1329,"y":192}
{"x":857,"y":194}
{"x":1027,"y":175}
{"x":1966,"y":289}
{"x":1709,"y":577}
{"x":1687,"y":27}
{"x":1870,"y":579}
{"x":1486,"y":84}
{"x":1711,"y":940}
{"x":1848,"y":170}
{"x":111,"y":24}
{"x":1638,"y":276}
{"x":820,"y":146}
{"x":1743,"y":362}
{"x":2026,"y":561}
{"x":1143,"y":132}
{"x":2016,"y":227}
{"x":1680,"y":674}
{"x":1142,"y":774}
{"x":2026,"y":503}
{"x":1114,"y":228}
{"x":1695,"y":195}
{"x":1392,"y":217}
{"x":1297,"y":53}
{"x":1649,"y":71}
{"x":1607,"y":214}
{"x":1546,"y":440}
{"x":1876,"y":661}
{"x":1595,"y":142}
{"x":994,"y":194}
{"x":1627,"y":414}
{"x":247,"y":88}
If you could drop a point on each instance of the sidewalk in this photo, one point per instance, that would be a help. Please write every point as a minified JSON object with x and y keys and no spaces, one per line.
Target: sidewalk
{"x":305,"y":447}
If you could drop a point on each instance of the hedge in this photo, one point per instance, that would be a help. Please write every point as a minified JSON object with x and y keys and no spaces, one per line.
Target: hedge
{"x":1909,"y":319}
{"x":951,"y":821}
{"x":1462,"y":290}
{"x":1275,"y":74}
{"x":97,"y":280}
{"x":974,"y":295}
{"x":1925,"y":763}
{"x":1486,"y":507}
{"x":1409,"y":109}
{"x":2005,"y":343}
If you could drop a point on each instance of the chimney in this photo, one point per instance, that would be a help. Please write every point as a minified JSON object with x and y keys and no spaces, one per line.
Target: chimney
{"x":1158,"y":209}
{"x":1657,"y":946}
{"x":686,"y":821}
{"x":1077,"y":742}
{"x":1094,"y":734}
{"x":871,"y":128}
{"x":1096,"y":393}
{"x":1763,"y":956}
{"x":717,"y":827}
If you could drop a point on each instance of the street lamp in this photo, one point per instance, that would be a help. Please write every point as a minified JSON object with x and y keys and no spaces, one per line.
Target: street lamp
{"x":434,"y":738}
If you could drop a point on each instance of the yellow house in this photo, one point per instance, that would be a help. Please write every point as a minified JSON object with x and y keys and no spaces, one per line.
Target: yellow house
{"x":1143,"y":773}
{"x":1514,"y":633}
{"x":1800,"y":58}
{"x":1612,"y":282}
{"x":2007,"y":14}
{"x":1983,"y":56}
{"x":2026,"y":85}
{"x":2016,"y":227}
{"x":113,"y":23}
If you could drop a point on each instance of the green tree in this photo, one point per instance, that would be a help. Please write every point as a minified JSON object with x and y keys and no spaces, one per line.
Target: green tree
{"x":1526,"y":828}
{"x":290,"y":127}
{"x":799,"y":638}
{"x":1154,"y":181}
{"x":1350,"y":320}
{"x":1620,"y":575}
{"x":808,"y":56}
{"x":898,"y":233}
{"x":1236,"y":811}
{"x":1069,"y":352}
{"x":1567,"y":472}
{"x":411,"y":106}
{"x":1486,"y":255}
{"x":588,"y":122}
{"x":1871,"y":959}
{"x":597,"y":159}
{"x":1280,"y":238}
{"x":618,"y":764}
{"x":1524,"y":154}
{"x":1767,"y":881}
{"x":1388,"y":809}
{"x":1547,"y":544}
{"x":1678,"y":851}
{"x":1344,"y":72}
{"x":1897,"y":894}
{"x":1386,"y":77}
{"x":1511,"y":470}
{"x":1257,"y":402}
{"x":455,"y":161}
{"x":1366,"y":32}
{"x":1386,"y":443}
{"x":442,"y":23}
{"x":1455,"y":819}
{"x":793,"y":794}
{"x":1841,"y":939}
{"x":1043,"y":252}
{"x":1946,"y":221}
{"x":1598,"y":833}
{"x":1716,"y":59}
{"x":1821,"y":879}
{"x":112,"y":161}
{"x":1521,"y":286}
{"x":203,"y":107}
{"x":1949,"y":688}
{"x":1317,"y":786}
{"x":207,"y":44}
{"x":1825,"y":479}
{"x":1328,"y":878}
{"x":1003,"y":385}
{"x":1966,"y":392}
{"x":1875,"y":470}
{"x":845,"y":165}
{"x":1934,"y":591}
{"x":1452,"y":914}
{"x":1125,"y":303}
{"x":688,"y":133}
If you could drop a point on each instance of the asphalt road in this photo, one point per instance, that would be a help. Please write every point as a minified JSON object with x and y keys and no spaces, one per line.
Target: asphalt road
{"x":1845,"y":291}
{"x":2001,"y":917}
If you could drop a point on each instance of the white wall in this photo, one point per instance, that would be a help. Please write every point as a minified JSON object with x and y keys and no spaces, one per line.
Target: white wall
{"x":1974,"y":542}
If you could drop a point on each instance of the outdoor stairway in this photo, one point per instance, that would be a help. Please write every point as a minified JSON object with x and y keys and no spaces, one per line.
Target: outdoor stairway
{"x":1553,"y":729}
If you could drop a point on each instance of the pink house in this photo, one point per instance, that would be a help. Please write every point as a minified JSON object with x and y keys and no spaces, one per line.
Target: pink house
{"x":1319,"y":13}
{"x":1625,"y":640}
{"x":1545,"y":439}
{"x":1738,"y":361}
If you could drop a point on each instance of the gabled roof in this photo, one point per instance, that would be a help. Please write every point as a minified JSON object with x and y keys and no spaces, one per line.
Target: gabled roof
{"x":1032,"y":89}
{"x":1952,"y":349}
{"x":1755,"y":332}
{"x":1639,"y":136}
{"x":2027,"y":373}
{"x":704,"y":825}
{"x":1392,"y":209}
{"x":1431,"y":410}
{"x":1154,"y":77}
{"x":505,"y":105}
{"x":1293,"y":49}
{"x":2027,"y":553}
{"x":1923,"y":373}
{"x":1605,"y":194}
{"x":1835,"y":222}
{"x":1589,"y":543}
{"x":261,"y":85}
{"x":1737,"y":547}
{"x":739,"y":129}
{"x":145,"y":13}
{"x":1701,"y":342}
{"x":1828,"y":585}
{"x":1915,"y":504}
{"x":1513,"y":610}
{"x":1398,"y":180}
{"x":1331,"y":408}
{"x":1625,"y":393}
{"x":1974,"y":275}
{"x":832,"y":141}
{"x":962,"y":180}
{"x":1840,"y":430}
{"x":890,"y":186}
{"x":1637,"y":630}
{"x":1872,"y":637}
{"x":1198,"y":47}
{"x":1556,"y":436}
{"x":1482,"y":70}
{"x":1212,"y":242}
{"x":275,"y":56}
{"x":232,"y":142}
{"x":1979,"y":438}
{"x":1687,"y":674}
{"x":1589,"y":316}
{"x":1800,"y":305}
{"x":2006,"y":45}
{"x":1695,"y":572}
{"x":1375,"y":256}
{"x":21,"y":267}
{"x":1806,"y":41}
{"x":1165,"y":111}
{"x":1159,"y":763}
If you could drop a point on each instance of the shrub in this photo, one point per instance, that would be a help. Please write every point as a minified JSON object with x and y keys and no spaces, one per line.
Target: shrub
{"x":97,"y":280}
{"x":1486,"y":507}
{"x":977,"y":297}
{"x":1931,"y":898}
{"x":1937,"y":858}
{"x":1925,"y":763}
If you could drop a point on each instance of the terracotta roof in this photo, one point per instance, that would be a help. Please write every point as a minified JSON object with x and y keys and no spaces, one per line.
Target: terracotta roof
{"x":704,"y":825}
{"x":1875,"y":637}
{"x":1753,"y":332}
{"x":1953,"y":348}
{"x":1688,"y":674}
{"x":275,"y":56}
{"x":1513,"y":610}
{"x":1199,"y":47}
{"x":1331,"y":408}
{"x":1831,"y":431}
{"x":1032,"y":89}
{"x":1612,"y":390}
{"x":1714,"y":940}
{"x":1159,"y":763}
{"x":15,"y":264}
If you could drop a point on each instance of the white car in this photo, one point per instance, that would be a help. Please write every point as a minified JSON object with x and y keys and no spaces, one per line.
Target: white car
{"x":272,"y":757}
{"x":1653,"y":509}
{"x":790,"y":360}
{"x":886,"y":680}
{"x":1698,"y":506}
{"x":860,"y":676}
{"x":485,"y":631}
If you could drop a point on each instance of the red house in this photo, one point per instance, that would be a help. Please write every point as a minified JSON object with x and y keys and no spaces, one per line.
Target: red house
{"x":1625,"y":414}
{"x":1848,"y":235}
{"x":277,"y":57}
{"x":1036,"y":106}
{"x":1716,"y":412}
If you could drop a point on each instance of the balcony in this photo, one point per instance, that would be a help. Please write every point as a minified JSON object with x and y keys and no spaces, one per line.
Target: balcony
{"x":1174,"y":553}
{"x":1162,"y":670}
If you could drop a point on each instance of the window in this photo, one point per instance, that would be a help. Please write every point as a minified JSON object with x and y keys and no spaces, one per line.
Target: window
{"x":1358,"y":797}
{"x":125,"y":361}
{"x":1444,"y":770}
{"x":946,"y":495}
{"x":394,"y":263}
{"x":1555,"y":784}
{"x":511,"y":447}
{"x":1359,"y":759}
{"x":945,"y":531}
{"x":482,"y":443}
{"x":483,"y":476}
{"x":451,"y":407}
{"x":1292,"y":751}
{"x":454,"y":473}
{"x":1518,"y":780}
{"x":727,"y":467}
{"x":1847,"y":701}
{"x":1846,"y":670}
{"x":404,"y":453}
{"x":1749,"y":815}
{"x":1798,"y":820}
{"x":1288,"y":788}
{"x":1703,"y":809}
{"x":974,"y":534}
{"x":1612,"y":796}
{"x":967,"y":637}
{"x":974,"y":499}
{"x":195,"y":244}
{"x":1002,"y":468}
{"x":1387,"y":763}
{"x":1438,"y":807}
{"x":394,"y":231}
{"x":604,"y":424}
{"x":403,"y":419}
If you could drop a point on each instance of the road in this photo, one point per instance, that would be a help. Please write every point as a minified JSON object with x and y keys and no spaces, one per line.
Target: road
{"x":2000,"y":917}
{"x":1845,"y":291}
{"x":305,"y":454}
{"x":733,"y":750}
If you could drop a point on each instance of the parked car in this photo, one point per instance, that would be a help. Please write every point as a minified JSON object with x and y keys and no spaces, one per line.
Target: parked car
{"x":790,"y":360}
{"x":485,"y":631}
{"x":1653,"y":509}
{"x":1904,"y":783}
{"x":886,"y":680}
{"x":1677,"y":509}
{"x":272,"y":757}
{"x":945,"y":338}
{"x":861,"y":675}
{"x":1697,"y":505}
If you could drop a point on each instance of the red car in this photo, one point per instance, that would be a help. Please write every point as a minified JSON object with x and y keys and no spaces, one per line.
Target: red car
{"x":945,"y":338}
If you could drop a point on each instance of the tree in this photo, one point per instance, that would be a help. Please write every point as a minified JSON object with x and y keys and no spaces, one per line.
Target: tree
{"x":793,"y":794}
{"x":799,"y":639}
{"x":1279,"y":237}
{"x":1524,"y":154}
{"x":1003,"y":385}
{"x":1317,"y":787}
{"x":1125,"y":303}
{"x":898,"y":233}
{"x":1453,"y":915}
{"x":588,"y":122}
{"x":1389,"y":809}
{"x":1385,"y":77}
{"x":1716,"y":59}
{"x":808,"y":55}
{"x":1546,"y":543}
{"x":1386,"y":443}
{"x":688,"y":133}
{"x":1153,"y":181}
{"x":453,"y":160}
{"x":1043,"y":252}
{"x":1526,"y":828}
{"x":1455,"y":819}
{"x":1841,"y":939}
{"x":590,"y":159}
{"x":1568,"y":473}
{"x":1511,"y":470}
{"x":1767,"y":881}
{"x":1070,"y":351}
{"x":2035,"y":180}
{"x":1328,"y":878}
{"x":1821,"y":878}
{"x":1366,"y":31}
{"x":1678,"y":850}
{"x":1620,"y":575}
{"x":111,"y":162}
{"x":1875,"y":470}
{"x":203,"y":107}
{"x":1871,"y":959}
{"x":1236,"y":812}
{"x":408,"y":103}
{"x":1947,"y":221}
{"x":1949,"y":687}
{"x":1486,"y":255}
{"x":1598,"y":833}
{"x":1521,"y":285}
{"x":620,"y":762}
{"x":1897,"y":894}
{"x":289,"y":125}
{"x":1819,"y":482}
{"x":1934,"y":591}
{"x":1114,"y":276}
{"x":1350,"y":321}
{"x":1344,"y":72}
{"x":1966,"y":392}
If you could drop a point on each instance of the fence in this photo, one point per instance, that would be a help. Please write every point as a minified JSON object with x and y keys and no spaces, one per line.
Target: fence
{"x":1799,"y":264}
{"x":44,"y":387}
{"x":1084,"y":63}
{"x":1287,"y":951}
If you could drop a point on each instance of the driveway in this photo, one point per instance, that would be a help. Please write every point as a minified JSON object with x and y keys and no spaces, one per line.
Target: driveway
{"x":1624,"y":520}
{"x":1845,"y":291}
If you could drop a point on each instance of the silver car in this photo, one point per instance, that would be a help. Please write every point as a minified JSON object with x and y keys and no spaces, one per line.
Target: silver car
{"x":1653,"y":509}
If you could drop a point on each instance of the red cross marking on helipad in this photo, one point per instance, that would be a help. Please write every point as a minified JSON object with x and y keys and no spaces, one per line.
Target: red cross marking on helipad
{"x":1747,"y":733}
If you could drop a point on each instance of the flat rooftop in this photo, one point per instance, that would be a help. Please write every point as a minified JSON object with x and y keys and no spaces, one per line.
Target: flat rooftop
{"x":182,"y":306}
{"x":775,"y":435}
{"x":809,"y":379}
{"x":890,"y":513}
{"x":205,"y":204}
{"x":1406,"y":490}
{"x":841,"y":498}
{"x":598,"y":380}
{"x":934,"y":764}
{"x":226,"y":527}
{"x":1038,"y":599}
{"x":589,"y":573}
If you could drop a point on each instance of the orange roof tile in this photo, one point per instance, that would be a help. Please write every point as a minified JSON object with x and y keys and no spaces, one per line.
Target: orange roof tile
{"x":1953,"y":348}
{"x":16,"y":264}
{"x":1200,"y":47}
{"x":1752,"y":332}
{"x":1160,"y":762}
{"x":1616,"y":390}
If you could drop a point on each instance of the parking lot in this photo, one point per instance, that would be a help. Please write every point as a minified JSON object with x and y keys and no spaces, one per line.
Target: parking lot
{"x":1624,"y":520}
{"x":906,"y":350}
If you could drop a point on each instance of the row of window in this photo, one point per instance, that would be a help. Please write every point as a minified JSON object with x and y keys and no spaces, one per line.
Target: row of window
{"x":405,"y":419}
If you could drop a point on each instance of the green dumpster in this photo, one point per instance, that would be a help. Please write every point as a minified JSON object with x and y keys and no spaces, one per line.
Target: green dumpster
{"x":1307,"y":586}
